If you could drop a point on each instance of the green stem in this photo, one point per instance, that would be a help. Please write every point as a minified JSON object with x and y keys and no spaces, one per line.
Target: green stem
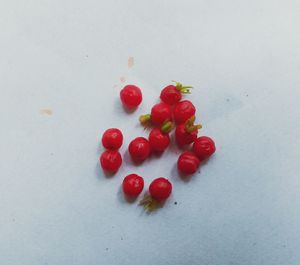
{"x":183,"y":89}
{"x":193,"y":128}
{"x":145,"y":119}
{"x":149,"y":203}
{"x":190,"y":126}
{"x":167,"y":127}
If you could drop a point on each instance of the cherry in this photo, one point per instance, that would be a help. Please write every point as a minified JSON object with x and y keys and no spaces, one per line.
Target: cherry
{"x":188,"y":163}
{"x":187,"y":133}
{"x":131,"y":96}
{"x":160,"y":189}
{"x":204,"y":147}
{"x":112,"y":139}
{"x":139,"y":149}
{"x":158,"y":140}
{"x":183,"y":110}
{"x":173,"y":93}
{"x":160,"y":114}
{"x":133,"y":185}
{"x":110,"y":161}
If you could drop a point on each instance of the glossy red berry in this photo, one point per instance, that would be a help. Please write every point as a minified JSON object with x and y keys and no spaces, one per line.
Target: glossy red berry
{"x":204,"y":147}
{"x":160,"y":189}
{"x":159,"y":141}
{"x":110,"y":161}
{"x":170,"y":95}
{"x":184,"y":137}
{"x":160,"y":114}
{"x":139,"y":149}
{"x":187,"y":133}
{"x":133,"y":185}
{"x":188,"y":163}
{"x":173,"y":93}
{"x":112,"y":139}
{"x":183,"y":110}
{"x":131,"y":96}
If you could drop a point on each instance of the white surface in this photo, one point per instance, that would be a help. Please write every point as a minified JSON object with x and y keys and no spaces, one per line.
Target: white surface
{"x":68,"y":56}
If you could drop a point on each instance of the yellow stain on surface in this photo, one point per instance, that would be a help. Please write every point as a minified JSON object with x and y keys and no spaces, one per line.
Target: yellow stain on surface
{"x":130,"y":62}
{"x":48,"y":112}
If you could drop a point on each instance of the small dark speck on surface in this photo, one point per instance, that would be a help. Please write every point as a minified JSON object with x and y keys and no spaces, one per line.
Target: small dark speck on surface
{"x":175,"y":203}
{"x":122,"y":238}
{"x":247,"y":95}
{"x":51,"y":154}
{"x":87,"y":56}
{"x":106,"y":249}
{"x":254,"y":244}
{"x":227,"y":100}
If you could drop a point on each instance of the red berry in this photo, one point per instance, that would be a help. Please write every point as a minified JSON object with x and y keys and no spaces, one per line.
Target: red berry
{"x":160,"y":189}
{"x":111,"y":161}
{"x":183,"y":137}
{"x":161,"y":113}
{"x":183,"y":110}
{"x":172,"y":94}
{"x":187,"y":133}
{"x":131,"y":96}
{"x":204,"y":147}
{"x":188,"y":163}
{"x":133,"y":185}
{"x":112,"y":139}
{"x":139,"y":149}
{"x":158,"y":140}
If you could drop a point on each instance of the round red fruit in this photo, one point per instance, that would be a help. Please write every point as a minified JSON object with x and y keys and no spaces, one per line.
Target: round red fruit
{"x":170,"y":95}
{"x":160,"y":189}
{"x":204,"y":147}
{"x":112,"y":139}
{"x":183,"y":110}
{"x":158,"y":140}
{"x":183,"y":137}
{"x":131,"y":96}
{"x":139,"y":149}
{"x":187,"y":133}
{"x":111,"y":161}
{"x":133,"y":185}
{"x":161,"y":113}
{"x":173,"y":93}
{"x":188,"y":163}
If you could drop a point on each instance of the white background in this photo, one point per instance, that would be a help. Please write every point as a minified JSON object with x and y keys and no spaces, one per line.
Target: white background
{"x":62,"y":65}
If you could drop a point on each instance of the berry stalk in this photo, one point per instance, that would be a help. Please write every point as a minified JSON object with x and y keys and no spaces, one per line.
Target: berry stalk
{"x":181,"y":88}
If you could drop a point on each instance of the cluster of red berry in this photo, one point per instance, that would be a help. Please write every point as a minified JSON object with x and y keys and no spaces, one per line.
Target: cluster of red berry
{"x":164,"y":116}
